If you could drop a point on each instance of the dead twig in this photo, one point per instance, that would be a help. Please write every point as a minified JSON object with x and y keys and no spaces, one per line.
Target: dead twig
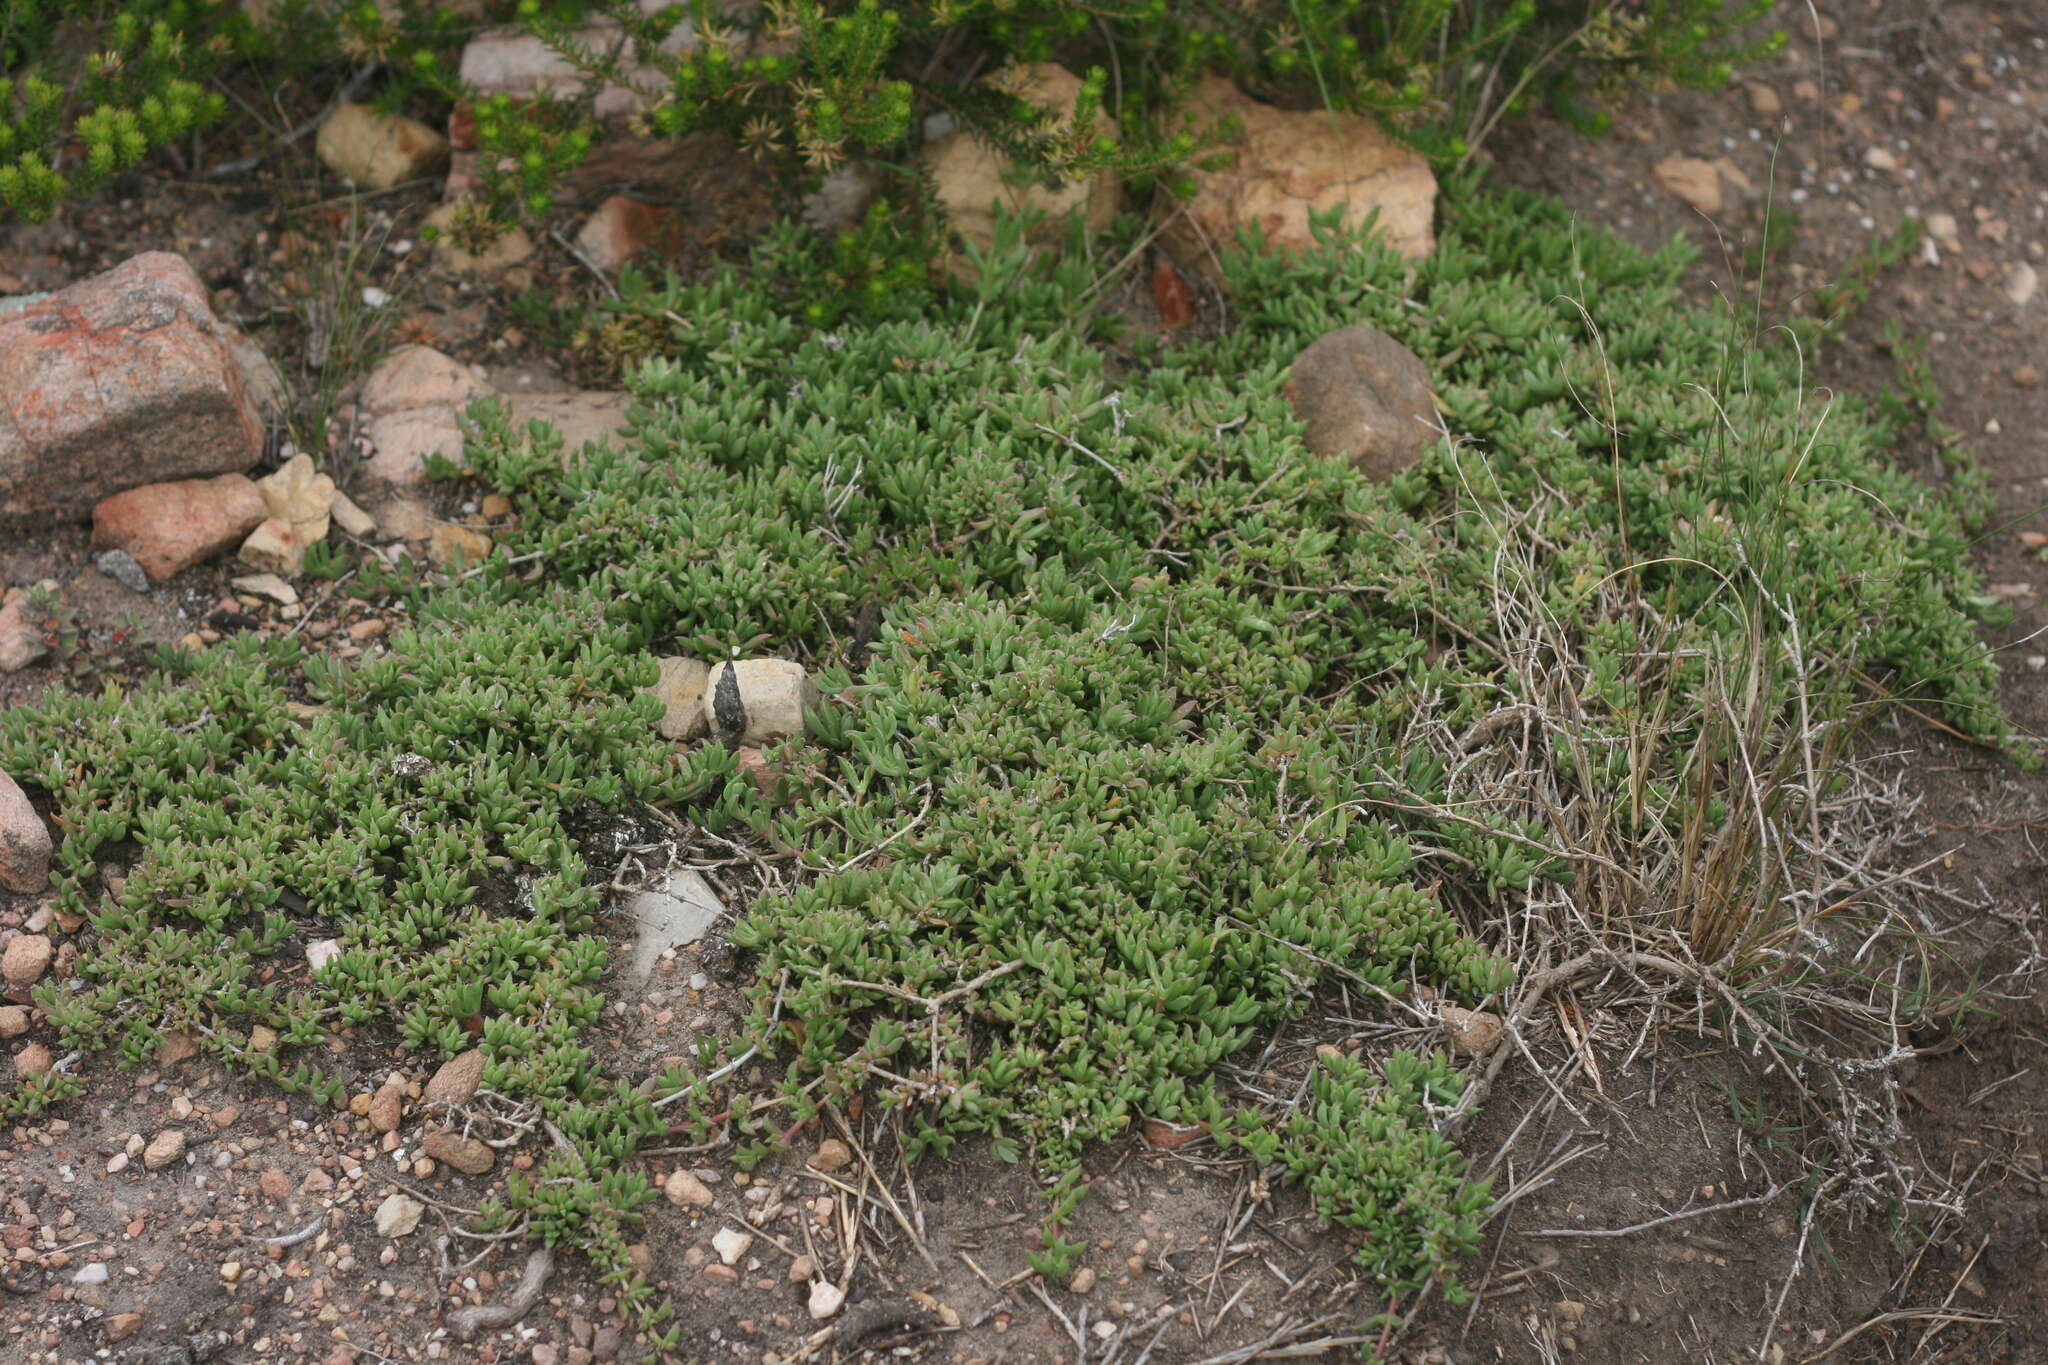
{"x":490,"y":1317}
{"x":292,"y":1239}
{"x":1753,"y":1201}
{"x":1938,"y":1316}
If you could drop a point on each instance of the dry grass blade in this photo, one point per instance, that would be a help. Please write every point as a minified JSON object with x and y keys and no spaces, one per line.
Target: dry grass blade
{"x":1662,"y":807}
{"x":1753,"y":1201}
{"x":1936,"y":1316}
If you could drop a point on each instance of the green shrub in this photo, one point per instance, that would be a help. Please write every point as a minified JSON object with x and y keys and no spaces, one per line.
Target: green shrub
{"x":67,"y":126}
{"x":94,"y":87}
{"x":1363,"y":1146}
{"x":813,"y":83}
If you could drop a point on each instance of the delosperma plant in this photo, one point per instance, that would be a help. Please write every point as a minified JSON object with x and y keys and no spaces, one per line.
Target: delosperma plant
{"x":1120,"y":774}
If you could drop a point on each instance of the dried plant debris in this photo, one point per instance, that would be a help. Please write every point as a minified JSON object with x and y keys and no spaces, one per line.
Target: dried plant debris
{"x":1165,"y":723}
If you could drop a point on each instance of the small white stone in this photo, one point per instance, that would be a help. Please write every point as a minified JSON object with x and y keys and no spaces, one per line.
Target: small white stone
{"x":826,"y":1299}
{"x":92,"y":1273}
{"x":731,"y":1244}
{"x":267,"y":585}
{"x":677,"y":913}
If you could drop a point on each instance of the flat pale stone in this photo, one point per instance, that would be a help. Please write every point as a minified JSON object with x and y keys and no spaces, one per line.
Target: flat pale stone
{"x":266,"y":585}
{"x":758,"y":701}
{"x":352,"y":519}
{"x":680,"y":912}
{"x":398,"y":1215}
{"x":583,"y":418}
{"x":971,"y":178}
{"x":1695,"y":181}
{"x":506,"y":250}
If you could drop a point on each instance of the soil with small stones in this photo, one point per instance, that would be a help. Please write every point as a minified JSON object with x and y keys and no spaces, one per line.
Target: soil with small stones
{"x":1656,"y":1212}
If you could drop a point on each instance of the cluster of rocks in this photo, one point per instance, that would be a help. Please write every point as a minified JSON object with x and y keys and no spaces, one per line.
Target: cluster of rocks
{"x":761,"y":1206}
{"x":166,"y":528}
{"x":377,"y":150}
{"x":1282,"y":166}
{"x":442,"y":1142}
{"x":1359,"y":393}
{"x":125,"y":400}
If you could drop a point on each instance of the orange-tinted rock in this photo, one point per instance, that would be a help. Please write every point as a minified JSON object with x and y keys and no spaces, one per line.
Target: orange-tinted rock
{"x":1170,"y":293}
{"x":465,"y":1154}
{"x":168,"y":527}
{"x":24,"y":961}
{"x":457,"y":1080}
{"x":621,"y":229}
{"x":386,"y":1107}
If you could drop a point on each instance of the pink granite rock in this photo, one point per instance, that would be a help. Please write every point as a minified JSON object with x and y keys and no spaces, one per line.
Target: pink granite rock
{"x":122,"y":379}
{"x":413,"y":402}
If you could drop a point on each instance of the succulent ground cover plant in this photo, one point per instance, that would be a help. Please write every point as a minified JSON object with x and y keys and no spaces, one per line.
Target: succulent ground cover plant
{"x":1163,"y":722}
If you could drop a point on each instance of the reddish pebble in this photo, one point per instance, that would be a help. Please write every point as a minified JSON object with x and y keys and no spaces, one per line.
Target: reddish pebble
{"x":1175,"y":300}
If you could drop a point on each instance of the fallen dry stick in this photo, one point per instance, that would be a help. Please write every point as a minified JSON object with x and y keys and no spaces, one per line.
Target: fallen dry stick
{"x":467,"y":1322}
{"x":292,"y":1239}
